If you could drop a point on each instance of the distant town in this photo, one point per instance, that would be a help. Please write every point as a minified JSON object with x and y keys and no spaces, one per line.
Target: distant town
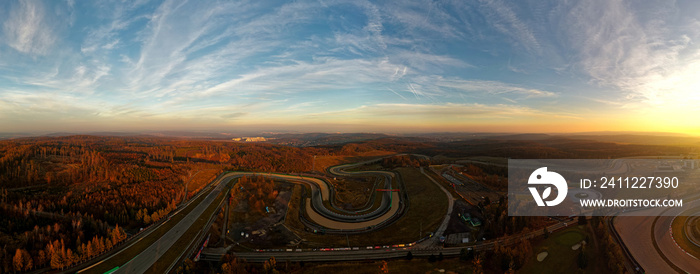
{"x":251,"y":139}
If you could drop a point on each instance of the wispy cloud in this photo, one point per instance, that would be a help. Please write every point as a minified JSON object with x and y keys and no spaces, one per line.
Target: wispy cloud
{"x":504,"y":19}
{"x":429,"y":63}
{"x":234,"y":115}
{"x":650,"y":58}
{"x":482,"y":87}
{"x":425,"y":20}
{"x":302,"y":77}
{"x":27,"y":30}
{"x":397,"y":94}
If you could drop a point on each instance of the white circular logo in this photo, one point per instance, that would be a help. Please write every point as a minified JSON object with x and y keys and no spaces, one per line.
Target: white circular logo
{"x":543,"y":177}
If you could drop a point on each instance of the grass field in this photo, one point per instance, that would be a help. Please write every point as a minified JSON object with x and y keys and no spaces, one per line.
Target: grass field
{"x":131,"y":252}
{"x":442,"y":182}
{"x":428,"y":205}
{"x":561,"y":258}
{"x":356,"y":193}
{"x":172,"y":254}
{"x":350,"y":191}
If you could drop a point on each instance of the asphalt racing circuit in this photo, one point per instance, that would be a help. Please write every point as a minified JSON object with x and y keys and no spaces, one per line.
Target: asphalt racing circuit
{"x":331,"y":219}
{"x":648,"y":242}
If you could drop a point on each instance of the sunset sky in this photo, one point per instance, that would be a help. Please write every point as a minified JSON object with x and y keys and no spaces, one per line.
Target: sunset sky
{"x":350,"y":66}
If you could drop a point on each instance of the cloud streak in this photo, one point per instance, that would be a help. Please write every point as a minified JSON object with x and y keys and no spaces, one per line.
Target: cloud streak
{"x":26,"y":29}
{"x":652,"y":59}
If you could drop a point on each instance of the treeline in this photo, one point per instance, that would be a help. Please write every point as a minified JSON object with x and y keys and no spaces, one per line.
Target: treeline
{"x":612,"y":255}
{"x":498,"y":223}
{"x":36,"y":252}
{"x":383,"y":144}
{"x":511,"y":258}
{"x":404,"y":161}
{"x":146,"y":218}
{"x":492,"y":176}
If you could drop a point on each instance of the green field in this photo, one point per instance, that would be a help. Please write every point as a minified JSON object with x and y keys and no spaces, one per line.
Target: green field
{"x":444,"y":183}
{"x":561,"y":258}
{"x":375,"y":203}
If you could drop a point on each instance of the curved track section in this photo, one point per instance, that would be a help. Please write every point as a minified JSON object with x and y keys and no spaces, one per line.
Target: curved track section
{"x":321,"y":191}
{"x":667,"y":244}
{"x":650,"y":241}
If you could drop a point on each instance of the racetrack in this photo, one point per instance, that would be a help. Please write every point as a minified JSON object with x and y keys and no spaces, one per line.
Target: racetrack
{"x":668,"y":246}
{"x":643,"y":235}
{"x":321,"y":220}
{"x":321,"y":191}
{"x":323,"y":216}
{"x":635,"y":232}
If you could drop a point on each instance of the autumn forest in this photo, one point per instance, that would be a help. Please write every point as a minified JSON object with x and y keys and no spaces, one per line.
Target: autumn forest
{"x":64,"y":200}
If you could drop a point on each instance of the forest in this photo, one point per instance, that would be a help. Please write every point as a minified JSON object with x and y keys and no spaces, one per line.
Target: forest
{"x":67,"y":199}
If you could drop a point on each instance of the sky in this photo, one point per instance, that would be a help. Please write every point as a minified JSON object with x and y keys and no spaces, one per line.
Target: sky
{"x":350,"y":66}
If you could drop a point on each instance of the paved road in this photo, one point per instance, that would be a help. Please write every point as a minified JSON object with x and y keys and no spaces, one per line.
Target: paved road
{"x":142,"y":262}
{"x":637,"y":232}
{"x":451,"y":201}
{"x":385,"y":252}
{"x":668,"y":246}
{"x":329,"y":223}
